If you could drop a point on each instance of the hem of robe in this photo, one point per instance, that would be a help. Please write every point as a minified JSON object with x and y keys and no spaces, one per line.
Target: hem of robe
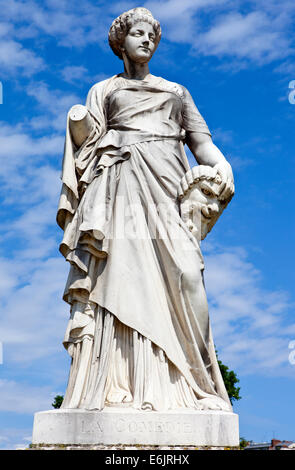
{"x":80,"y":393}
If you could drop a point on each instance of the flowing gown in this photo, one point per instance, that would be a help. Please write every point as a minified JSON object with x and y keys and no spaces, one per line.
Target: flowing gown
{"x":139,"y":333}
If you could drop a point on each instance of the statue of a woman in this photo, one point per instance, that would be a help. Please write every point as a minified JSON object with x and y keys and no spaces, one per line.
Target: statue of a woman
{"x":139,"y":333}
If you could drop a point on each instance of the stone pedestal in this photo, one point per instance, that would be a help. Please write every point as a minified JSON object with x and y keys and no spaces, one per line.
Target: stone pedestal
{"x":115,"y":426}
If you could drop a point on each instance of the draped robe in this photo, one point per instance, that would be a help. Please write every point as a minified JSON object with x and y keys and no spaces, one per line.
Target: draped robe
{"x":139,"y":332}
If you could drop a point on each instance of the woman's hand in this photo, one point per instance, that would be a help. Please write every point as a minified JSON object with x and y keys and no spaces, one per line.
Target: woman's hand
{"x":224,"y":169}
{"x":206,"y":153}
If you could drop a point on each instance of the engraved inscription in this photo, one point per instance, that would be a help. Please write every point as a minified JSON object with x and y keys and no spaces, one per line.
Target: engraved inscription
{"x":124,"y":425}
{"x":90,"y":428}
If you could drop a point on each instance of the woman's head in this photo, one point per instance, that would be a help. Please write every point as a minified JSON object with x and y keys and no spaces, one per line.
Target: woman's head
{"x":127,"y":22}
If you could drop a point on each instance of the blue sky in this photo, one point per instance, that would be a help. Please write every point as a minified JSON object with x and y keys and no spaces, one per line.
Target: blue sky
{"x":237,"y":60}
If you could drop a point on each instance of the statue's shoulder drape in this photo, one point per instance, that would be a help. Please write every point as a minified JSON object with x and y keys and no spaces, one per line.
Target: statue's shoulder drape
{"x":78,"y":163}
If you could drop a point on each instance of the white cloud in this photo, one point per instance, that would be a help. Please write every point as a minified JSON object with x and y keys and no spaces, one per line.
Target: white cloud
{"x":250,"y":325}
{"x":15,"y":143}
{"x":179,"y":19}
{"x":286,"y":68}
{"x":223,"y":28}
{"x":219,"y":28}
{"x":225,"y":139}
{"x":223,"y":136}
{"x":26,"y":159}
{"x":23,"y":398}
{"x":5,"y":29}
{"x":14,"y":57}
{"x":25,"y":163}
{"x":54,"y":105}
{"x":173,"y":9}
{"x":35,"y":315}
{"x":15,"y":438}
{"x":70,"y":24}
{"x":33,"y":278}
{"x":252,"y":36}
{"x":77,"y":74}
{"x":74,"y":24}
{"x":71,"y":73}
{"x":8,"y":281}
{"x":238,"y":163}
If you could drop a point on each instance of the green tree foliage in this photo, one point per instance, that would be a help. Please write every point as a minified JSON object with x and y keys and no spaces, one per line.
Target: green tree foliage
{"x":243,"y":443}
{"x":230,"y":380}
{"x":57,"y":401}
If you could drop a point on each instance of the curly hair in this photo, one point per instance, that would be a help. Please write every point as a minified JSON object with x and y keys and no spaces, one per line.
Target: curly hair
{"x":121,"y":25}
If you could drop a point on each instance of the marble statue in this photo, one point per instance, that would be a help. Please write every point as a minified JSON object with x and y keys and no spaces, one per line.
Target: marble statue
{"x":133,"y":214}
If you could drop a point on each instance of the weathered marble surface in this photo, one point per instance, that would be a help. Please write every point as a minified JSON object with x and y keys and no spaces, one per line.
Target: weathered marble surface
{"x":130,"y":427}
{"x":139,"y":330}
{"x":144,"y":369}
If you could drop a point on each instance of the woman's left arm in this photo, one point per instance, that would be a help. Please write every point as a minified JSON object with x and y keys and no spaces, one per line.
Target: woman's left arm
{"x":206,"y":153}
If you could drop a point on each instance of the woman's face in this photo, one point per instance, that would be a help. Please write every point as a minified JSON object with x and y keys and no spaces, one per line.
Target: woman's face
{"x":139,"y":44}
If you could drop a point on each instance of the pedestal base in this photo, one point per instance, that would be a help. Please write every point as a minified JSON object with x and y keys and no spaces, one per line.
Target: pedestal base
{"x":115,"y":426}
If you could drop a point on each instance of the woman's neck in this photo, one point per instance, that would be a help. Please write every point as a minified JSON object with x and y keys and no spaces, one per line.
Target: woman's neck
{"x":134,"y":70}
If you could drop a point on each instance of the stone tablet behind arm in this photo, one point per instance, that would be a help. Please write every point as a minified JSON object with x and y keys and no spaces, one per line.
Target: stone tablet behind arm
{"x":81,"y":124}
